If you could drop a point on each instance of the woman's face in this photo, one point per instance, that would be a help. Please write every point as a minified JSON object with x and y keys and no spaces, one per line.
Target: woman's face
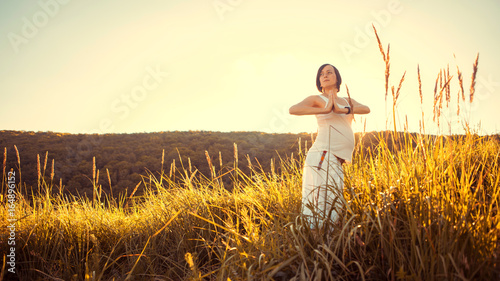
{"x":327,"y":77}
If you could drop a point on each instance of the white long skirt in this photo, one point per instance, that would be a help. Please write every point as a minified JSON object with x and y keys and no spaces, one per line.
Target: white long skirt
{"x":322,"y":188}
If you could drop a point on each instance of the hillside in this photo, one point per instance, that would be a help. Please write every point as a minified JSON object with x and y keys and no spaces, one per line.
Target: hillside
{"x":128,"y":156}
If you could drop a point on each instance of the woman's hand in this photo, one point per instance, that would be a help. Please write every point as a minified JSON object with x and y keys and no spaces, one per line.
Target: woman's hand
{"x":334,"y":106}
{"x":331,"y":104}
{"x":340,"y":110}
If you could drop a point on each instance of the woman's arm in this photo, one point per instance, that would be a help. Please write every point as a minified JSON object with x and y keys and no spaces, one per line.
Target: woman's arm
{"x":358,"y":108}
{"x":310,"y":106}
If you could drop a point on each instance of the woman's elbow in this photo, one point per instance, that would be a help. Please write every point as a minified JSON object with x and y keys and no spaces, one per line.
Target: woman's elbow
{"x":364,"y":110}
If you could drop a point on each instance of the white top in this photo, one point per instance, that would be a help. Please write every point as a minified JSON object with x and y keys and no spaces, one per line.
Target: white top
{"x":335,"y":133}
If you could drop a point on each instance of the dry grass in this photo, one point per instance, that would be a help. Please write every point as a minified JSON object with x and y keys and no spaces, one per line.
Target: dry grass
{"x":473,"y":78}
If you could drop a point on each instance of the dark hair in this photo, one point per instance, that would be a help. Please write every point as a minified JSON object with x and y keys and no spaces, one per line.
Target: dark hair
{"x":337,"y":75}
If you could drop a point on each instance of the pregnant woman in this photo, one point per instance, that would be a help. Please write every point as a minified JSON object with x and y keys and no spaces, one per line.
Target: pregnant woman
{"x":323,"y":176}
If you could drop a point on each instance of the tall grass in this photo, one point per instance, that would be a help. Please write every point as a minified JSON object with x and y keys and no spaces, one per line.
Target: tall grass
{"x":416,"y":207}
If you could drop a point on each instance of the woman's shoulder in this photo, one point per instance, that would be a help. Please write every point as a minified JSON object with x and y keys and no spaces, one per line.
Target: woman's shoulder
{"x":345,"y":98}
{"x":315,"y":98}
{"x":319,"y":97}
{"x":348,"y":99}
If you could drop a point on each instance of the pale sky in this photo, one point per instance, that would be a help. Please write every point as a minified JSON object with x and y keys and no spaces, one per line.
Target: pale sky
{"x":236,"y":65}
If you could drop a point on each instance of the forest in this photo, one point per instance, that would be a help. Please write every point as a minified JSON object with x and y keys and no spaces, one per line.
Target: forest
{"x":67,"y":160}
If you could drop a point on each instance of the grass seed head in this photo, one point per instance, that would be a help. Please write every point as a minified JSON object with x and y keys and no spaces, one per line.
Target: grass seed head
{"x":473,"y":78}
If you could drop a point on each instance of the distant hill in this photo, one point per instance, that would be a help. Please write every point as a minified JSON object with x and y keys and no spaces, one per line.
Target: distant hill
{"x":128,"y":156}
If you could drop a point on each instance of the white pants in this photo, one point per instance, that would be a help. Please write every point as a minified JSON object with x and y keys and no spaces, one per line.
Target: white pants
{"x":322,"y":188}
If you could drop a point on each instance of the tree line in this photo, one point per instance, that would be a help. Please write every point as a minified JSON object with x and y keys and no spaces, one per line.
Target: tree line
{"x":68,"y":160}
{"x":127,"y":157}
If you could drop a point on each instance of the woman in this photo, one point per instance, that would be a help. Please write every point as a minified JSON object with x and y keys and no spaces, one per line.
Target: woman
{"x":323,"y":177}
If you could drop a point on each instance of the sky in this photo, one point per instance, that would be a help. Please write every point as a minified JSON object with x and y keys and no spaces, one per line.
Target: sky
{"x":126,"y":66}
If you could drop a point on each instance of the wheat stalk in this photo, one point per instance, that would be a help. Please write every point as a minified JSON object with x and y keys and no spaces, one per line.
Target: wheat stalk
{"x":220,"y":160}
{"x":386,"y":59}
{"x":93,"y":170}
{"x":38,"y":170}
{"x":461,"y":90}
{"x":421,"y":124}
{"x":436,"y":98}
{"x":399,"y":88}
{"x":473,"y":82}
{"x":4,"y":159}
{"x":379,"y":43}
{"x":45,"y":163}
{"x":172,"y":169}
{"x":109,"y":181}
{"x":395,"y":96}
{"x":420,"y":86}
{"x":18,"y":164}
{"x":189,"y":164}
{"x":448,"y":95}
{"x":162,"y":159}
{"x":52,"y":172}
{"x":94,"y":191}
{"x":235,"y":150}
{"x":210,"y":166}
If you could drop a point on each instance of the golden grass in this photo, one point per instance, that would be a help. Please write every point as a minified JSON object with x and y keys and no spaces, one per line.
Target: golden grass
{"x":425,"y":212}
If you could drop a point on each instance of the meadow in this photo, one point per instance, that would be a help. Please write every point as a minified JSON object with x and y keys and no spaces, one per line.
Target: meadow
{"x":415,"y":207}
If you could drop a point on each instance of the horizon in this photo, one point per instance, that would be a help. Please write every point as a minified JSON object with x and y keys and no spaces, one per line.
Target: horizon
{"x":229,"y":66}
{"x":229,"y":132}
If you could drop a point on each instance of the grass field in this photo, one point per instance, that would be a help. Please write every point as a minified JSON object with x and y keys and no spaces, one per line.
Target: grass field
{"x":426,"y":210}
